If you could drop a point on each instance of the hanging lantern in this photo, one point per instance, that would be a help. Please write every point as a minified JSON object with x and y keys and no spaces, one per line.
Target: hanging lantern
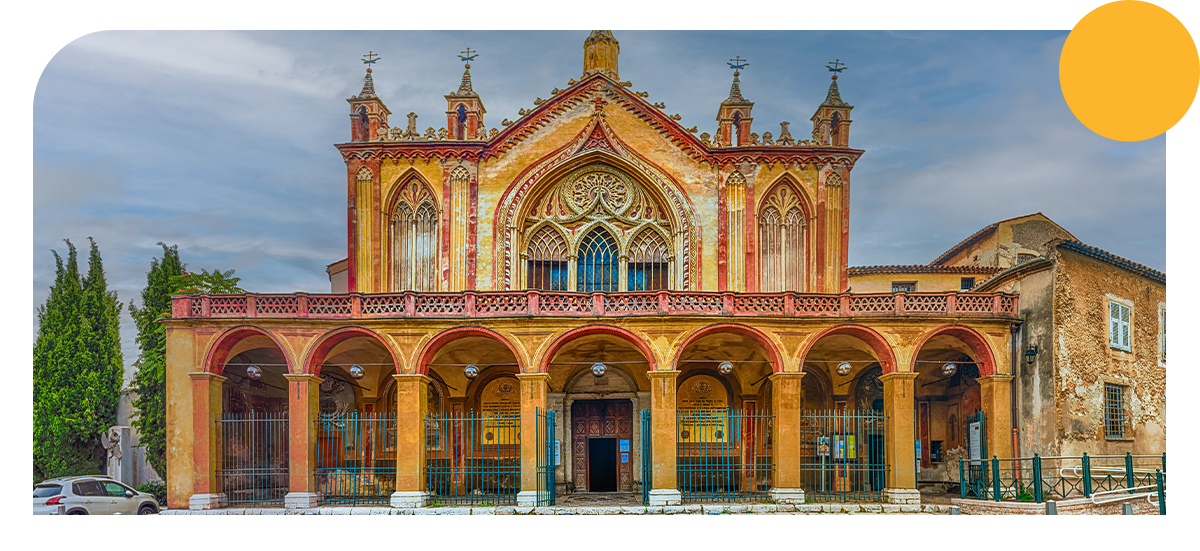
{"x":726,"y":367}
{"x":254,"y":372}
{"x":471,"y":371}
{"x":843,"y":369}
{"x":598,"y":369}
{"x":356,"y":371}
{"x":949,"y":369}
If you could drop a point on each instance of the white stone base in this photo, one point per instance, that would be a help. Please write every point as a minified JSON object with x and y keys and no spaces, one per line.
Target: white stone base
{"x":659,"y":498}
{"x":527,"y":498}
{"x":409,"y":499}
{"x":903,"y":496}
{"x":301,"y":500}
{"x":201,"y":502}
{"x":787,"y":495}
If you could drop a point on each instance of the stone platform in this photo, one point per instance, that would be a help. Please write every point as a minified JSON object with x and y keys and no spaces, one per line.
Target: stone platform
{"x":695,"y":509}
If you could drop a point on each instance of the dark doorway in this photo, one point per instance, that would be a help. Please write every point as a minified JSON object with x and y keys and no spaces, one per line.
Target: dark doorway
{"x":602,"y":464}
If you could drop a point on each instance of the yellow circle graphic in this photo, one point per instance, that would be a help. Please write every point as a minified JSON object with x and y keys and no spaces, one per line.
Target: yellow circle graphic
{"x":1129,"y":70}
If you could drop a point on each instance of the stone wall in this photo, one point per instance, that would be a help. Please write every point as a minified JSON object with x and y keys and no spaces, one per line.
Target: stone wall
{"x":1068,"y":507}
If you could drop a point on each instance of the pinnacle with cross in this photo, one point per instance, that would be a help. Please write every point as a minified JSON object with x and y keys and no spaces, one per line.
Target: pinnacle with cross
{"x":370,"y":58}
{"x":368,"y":89}
{"x":735,"y":91}
{"x":834,"y":97}
{"x":464,"y":87}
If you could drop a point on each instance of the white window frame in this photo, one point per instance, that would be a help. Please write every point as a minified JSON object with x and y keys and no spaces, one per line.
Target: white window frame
{"x":1119,"y":326}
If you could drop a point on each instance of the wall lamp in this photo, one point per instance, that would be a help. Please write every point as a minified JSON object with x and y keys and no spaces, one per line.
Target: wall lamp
{"x":1031,"y":354}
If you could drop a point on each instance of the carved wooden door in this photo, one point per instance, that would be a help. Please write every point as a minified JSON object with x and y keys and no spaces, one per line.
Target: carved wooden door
{"x":602,"y":419}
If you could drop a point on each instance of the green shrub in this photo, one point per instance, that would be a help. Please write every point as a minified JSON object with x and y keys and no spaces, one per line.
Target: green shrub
{"x":157,"y":489}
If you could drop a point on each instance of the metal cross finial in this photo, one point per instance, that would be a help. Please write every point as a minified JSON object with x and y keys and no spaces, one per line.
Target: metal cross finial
{"x":370,"y":58}
{"x":737,"y":63}
{"x":837,"y":67}
{"x":467,"y":56}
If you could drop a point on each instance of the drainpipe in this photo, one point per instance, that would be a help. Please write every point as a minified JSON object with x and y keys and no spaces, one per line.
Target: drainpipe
{"x":1014,"y":363}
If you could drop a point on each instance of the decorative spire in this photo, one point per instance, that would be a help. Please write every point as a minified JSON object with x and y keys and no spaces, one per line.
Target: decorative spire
{"x":833,"y":97}
{"x":735,"y":91}
{"x":368,"y":89}
{"x":600,"y":53}
{"x":464,"y":87}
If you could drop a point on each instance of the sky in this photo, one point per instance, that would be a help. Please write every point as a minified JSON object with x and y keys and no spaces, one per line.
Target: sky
{"x":221,"y":142}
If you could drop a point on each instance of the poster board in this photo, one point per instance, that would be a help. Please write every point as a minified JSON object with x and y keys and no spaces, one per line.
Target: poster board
{"x":703,"y":404}
{"x":500,"y":410}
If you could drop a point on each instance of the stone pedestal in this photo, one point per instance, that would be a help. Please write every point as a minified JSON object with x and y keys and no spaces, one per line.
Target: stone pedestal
{"x":787,"y":495}
{"x":902,"y":496}
{"x":200,"y":502}
{"x":409,"y":499}
{"x":301,"y":500}
{"x":527,"y":498}
{"x":659,"y":498}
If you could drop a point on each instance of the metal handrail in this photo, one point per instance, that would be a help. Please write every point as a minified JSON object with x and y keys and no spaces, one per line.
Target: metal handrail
{"x":1121,"y":498}
{"x":1100,"y":470}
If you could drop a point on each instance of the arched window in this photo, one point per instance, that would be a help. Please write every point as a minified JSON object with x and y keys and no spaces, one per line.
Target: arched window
{"x":781,"y":242}
{"x":649,"y":269}
{"x":598,"y":262}
{"x":414,"y":240}
{"x":548,"y":261}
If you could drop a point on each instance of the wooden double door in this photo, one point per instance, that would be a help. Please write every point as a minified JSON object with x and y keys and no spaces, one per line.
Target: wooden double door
{"x":602,"y":445}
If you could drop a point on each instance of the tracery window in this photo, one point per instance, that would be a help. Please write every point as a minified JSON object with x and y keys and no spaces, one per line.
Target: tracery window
{"x":781,"y":242}
{"x":414,"y":239}
{"x":548,"y":261}
{"x":649,"y":268}
{"x":598,"y":262}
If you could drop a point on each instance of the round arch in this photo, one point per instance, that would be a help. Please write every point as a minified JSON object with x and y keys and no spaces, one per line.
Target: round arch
{"x":325,"y":343}
{"x":878,"y":344}
{"x":738,"y":329}
{"x":981,"y":351}
{"x":435,"y":344}
{"x":218,"y":353}
{"x":623,"y":334}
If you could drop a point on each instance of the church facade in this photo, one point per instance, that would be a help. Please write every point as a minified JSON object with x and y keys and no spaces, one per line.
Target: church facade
{"x":589,"y":298}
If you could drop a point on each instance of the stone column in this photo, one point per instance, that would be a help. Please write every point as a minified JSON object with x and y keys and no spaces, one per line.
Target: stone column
{"x":206,"y":401}
{"x":412,"y":396}
{"x":994,"y":395}
{"x":664,"y":485}
{"x":900,"y":436}
{"x":303,"y":400}
{"x":786,"y":402}
{"x":533,"y":396}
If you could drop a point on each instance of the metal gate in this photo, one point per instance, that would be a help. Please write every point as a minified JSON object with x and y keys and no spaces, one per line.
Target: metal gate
{"x":842,"y":455}
{"x":975,"y":482}
{"x":356,"y":457}
{"x":546,"y":458}
{"x":647,"y":457}
{"x":254,"y":457}
{"x":724,"y":455}
{"x":473,"y":458}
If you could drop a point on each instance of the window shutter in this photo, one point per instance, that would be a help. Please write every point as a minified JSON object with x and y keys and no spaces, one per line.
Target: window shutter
{"x":1114,"y":322}
{"x":1125,"y":327}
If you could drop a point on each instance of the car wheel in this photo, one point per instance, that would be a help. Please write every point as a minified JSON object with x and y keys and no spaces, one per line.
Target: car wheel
{"x":146,"y":510}
{"x":77,"y":512}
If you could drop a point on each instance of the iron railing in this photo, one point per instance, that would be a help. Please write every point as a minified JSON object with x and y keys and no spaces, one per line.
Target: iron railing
{"x":1039,"y":479}
{"x":546,"y":493}
{"x":254,"y":457}
{"x":473,"y":458}
{"x":647,"y":457}
{"x":356,"y":458}
{"x":842,"y":455}
{"x":723,"y":455}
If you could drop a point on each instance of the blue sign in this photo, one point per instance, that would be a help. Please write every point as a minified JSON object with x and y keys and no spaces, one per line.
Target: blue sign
{"x":624,"y":458}
{"x":624,"y":445}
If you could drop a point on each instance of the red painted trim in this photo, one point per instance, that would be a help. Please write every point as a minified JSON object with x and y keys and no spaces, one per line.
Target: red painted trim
{"x":217,"y":354}
{"x":447,"y":214}
{"x":722,"y":233}
{"x":435,"y":344}
{"x":820,"y":264}
{"x":750,"y":226}
{"x":751,"y":333}
{"x":844,"y":282}
{"x":981,"y":350}
{"x":376,"y":235}
{"x":883,"y":350}
{"x":565,"y":338}
{"x":352,"y":226}
{"x":472,"y":228}
{"x":317,"y":353}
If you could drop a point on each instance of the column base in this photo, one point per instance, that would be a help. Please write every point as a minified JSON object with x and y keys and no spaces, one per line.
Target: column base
{"x":665,"y":497}
{"x":787,"y":495}
{"x":903,"y":496}
{"x":527,"y":498}
{"x":301,"y":500}
{"x":200,"y":502}
{"x":409,"y":499}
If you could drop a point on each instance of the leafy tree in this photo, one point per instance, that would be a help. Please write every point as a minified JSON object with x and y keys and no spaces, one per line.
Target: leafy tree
{"x":149,"y":379}
{"x":77,"y":369}
{"x":204,"y":283}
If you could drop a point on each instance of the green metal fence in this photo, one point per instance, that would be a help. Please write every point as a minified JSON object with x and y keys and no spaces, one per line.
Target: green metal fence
{"x":842,"y":455}
{"x":545,"y":461}
{"x":473,"y":458}
{"x":723,"y":455}
{"x":254,"y":457}
{"x":1039,"y":479}
{"x":647,"y":457}
{"x":356,"y":458}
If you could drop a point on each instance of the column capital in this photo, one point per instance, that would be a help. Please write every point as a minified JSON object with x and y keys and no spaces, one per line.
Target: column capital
{"x":992,"y":379}
{"x":302,"y":378}
{"x":778,"y":375}
{"x":898,"y":375}
{"x":663,"y":374}
{"x":532,"y":376}
{"x":402,"y":377}
{"x":206,"y":376}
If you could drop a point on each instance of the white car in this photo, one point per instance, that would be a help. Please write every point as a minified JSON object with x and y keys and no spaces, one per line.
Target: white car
{"x":90,"y":495}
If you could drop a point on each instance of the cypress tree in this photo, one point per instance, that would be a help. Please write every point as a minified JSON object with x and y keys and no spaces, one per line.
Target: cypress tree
{"x":149,"y":379}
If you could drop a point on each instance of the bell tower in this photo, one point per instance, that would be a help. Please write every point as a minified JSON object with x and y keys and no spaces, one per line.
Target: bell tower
{"x":831,"y":122}
{"x":733,"y":117}
{"x":600,"y":55}
{"x":368,"y":114}
{"x":464,"y":108}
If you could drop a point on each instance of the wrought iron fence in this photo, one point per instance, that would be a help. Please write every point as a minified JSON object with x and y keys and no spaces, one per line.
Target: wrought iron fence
{"x":1039,"y":479}
{"x":473,"y":458}
{"x":254,"y":457}
{"x":647,"y":457}
{"x":356,"y":458}
{"x":723,"y":455}
{"x":842,"y":455}
{"x":545,"y":465}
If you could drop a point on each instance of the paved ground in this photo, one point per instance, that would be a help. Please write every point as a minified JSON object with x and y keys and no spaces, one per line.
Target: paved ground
{"x":561,"y":509}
